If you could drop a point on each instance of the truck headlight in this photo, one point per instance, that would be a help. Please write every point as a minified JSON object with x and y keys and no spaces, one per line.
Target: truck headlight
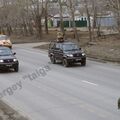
{"x":15,"y":60}
{"x":69,"y":55}
{"x":83,"y":54}
{"x":1,"y":61}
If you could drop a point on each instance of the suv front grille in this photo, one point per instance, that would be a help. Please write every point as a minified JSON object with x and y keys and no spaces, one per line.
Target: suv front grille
{"x":8,"y":61}
{"x":77,"y":55}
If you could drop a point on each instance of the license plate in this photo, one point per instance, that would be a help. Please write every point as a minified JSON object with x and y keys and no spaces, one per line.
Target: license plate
{"x":78,"y":59}
{"x":8,"y":65}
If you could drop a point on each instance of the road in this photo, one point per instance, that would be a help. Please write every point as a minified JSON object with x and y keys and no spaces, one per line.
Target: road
{"x":74,"y":93}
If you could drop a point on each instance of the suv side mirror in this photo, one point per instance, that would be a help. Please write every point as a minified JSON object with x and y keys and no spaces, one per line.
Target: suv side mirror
{"x":14,"y":53}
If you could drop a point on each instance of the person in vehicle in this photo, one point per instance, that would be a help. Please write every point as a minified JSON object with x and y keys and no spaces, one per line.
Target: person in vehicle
{"x":60,"y":37}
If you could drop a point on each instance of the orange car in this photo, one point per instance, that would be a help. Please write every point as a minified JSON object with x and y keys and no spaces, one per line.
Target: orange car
{"x":5,"y":41}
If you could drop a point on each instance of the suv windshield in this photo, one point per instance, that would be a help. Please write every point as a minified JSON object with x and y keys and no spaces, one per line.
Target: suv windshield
{"x":5,"y":52}
{"x":3,"y":37}
{"x":69,"y":47}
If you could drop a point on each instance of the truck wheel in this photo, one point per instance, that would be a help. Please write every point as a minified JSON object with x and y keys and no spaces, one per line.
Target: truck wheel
{"x":65,"y":63}
{"x":83,"y":62}
{"x":16,"y":69}
{"x":52,"y":58}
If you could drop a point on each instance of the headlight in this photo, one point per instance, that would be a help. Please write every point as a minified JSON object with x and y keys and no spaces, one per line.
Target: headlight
{"x":15,"y":60}
{"x":1,"y":61}
{"x":69,"y":55}
{"x":83,"y":54}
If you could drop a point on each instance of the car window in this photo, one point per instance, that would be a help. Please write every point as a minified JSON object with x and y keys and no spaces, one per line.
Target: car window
{"x":5,"y":52}
{"x":3,"y":37}
{"x":68,"y":47}
{"x":51,"y":46}
{"x":58,"y":46}
{"x":61,"y":46}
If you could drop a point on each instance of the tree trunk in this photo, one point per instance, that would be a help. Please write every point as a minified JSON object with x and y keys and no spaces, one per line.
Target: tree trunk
{"x":61,"y":18}
{"x":89,"y":21}
{"x":31,"y":31}
{"x":46,"y":17}
{"x":72,"y":9}
{"x":39,"y":26}
{"x":9,"y":29}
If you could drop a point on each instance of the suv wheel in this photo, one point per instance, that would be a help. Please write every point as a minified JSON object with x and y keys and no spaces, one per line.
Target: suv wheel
{"x":52,"y":58}
{"x":83,"y":62}
{"x":65,"y":63}
{"x":16,"y":69}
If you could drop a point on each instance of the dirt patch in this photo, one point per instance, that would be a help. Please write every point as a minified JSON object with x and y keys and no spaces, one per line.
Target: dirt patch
{"x":16,"y":39}
{"x":107,"y":49}
{"x":7,"y":113}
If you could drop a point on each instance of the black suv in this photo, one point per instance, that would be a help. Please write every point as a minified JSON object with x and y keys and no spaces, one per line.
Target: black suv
{"x":66,"y":52}
{"x":8,"y":59}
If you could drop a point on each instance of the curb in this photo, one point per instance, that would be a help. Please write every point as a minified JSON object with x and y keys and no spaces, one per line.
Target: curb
{"x":8,"y":113}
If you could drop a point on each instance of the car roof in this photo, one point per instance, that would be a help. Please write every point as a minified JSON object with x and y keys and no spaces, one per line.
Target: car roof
{"x":2,"y":47}
{"x":3,"y":35}
{"x":64,"y":42}
{"x":68,"y":43}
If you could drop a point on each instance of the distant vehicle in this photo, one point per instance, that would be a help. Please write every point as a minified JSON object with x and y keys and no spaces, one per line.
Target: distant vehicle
{"x":8,"y":59}
{"x":66,"y":52}
{"x":5,"y":41}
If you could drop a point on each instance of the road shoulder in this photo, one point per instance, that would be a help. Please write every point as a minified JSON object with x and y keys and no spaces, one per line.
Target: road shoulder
{"x":8,"y":113}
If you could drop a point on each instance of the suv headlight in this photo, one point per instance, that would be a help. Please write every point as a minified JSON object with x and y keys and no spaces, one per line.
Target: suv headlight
{"x":69,"y":55}
{"x":15,"y":60}
{"x":1,"y":61}
{"x":83,"y":54}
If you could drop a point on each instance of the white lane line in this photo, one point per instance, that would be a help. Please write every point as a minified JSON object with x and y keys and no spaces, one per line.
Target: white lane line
{"x":89,"y":83}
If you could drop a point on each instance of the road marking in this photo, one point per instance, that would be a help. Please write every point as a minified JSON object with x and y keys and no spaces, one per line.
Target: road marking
{"x":89,"y":83}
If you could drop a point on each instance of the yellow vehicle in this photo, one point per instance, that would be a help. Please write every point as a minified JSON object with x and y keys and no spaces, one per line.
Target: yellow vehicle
{"x":5,"y":41}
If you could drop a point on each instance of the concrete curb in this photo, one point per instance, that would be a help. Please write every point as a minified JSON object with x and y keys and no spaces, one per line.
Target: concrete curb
{"x":8,"y":113}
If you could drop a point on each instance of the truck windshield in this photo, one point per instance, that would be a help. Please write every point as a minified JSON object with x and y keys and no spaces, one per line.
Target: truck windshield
{"x":3,"y":37}
{"x":5,"y":52}
{"x":70,"y":47}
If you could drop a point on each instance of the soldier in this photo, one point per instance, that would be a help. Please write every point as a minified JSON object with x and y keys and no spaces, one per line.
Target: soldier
{"x":60,"y":37}
{"x":119,"y":103}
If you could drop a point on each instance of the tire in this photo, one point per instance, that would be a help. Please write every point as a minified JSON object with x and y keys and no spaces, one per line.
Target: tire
{"x":52,"y":58}
{"x":16,"y":69}
{"x":65,"y":63}
{"x":83,"y":63}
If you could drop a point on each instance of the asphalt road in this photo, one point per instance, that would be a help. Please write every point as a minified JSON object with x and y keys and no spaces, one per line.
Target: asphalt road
{"x":74,"y":93}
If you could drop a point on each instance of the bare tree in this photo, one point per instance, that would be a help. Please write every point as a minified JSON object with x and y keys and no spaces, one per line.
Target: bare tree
{"x":46,"y":16}
{"x":86,"y":3}
{"x":71,"y":7}
{"x":38,"y":12}
{"x":61,"y":17}
{"x":114,"y":6}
